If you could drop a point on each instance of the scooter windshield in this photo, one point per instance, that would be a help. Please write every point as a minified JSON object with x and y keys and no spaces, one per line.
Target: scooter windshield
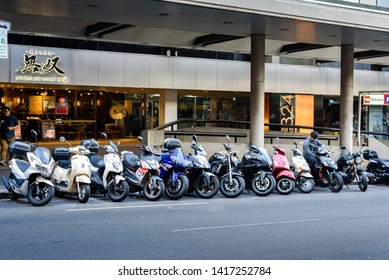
{"x":43,"y":154}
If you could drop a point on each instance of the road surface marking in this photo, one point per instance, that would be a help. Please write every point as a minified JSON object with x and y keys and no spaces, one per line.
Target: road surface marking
{"x":247,"y":225}
{"x":136,"y":206}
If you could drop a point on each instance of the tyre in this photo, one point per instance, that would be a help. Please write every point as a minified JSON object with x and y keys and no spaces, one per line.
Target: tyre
{"x":263,"y":187}
{"x":285,"y":185}
{"x":234,"y":188}
{"x":180,"y":188}
{"x":337,"y":183}
{"x":362,"y":184}
{"x":305,"y":185}
{"x":154,"y":191}
{"x":205,"y":190}
{"x":83,"y":192}
{"x":117,"y":192}
{"x":39,"y":194}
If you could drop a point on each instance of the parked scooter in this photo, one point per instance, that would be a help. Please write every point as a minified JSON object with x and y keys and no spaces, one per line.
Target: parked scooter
{"x":325,"y":172}
{"x":304,"y":179}
{"x":203,"y":182}
{"x":106,"y":171}
{"x":142,"y":173}
{"x":350,"y":166}
{"x":173,"y":166}
{"x":281,"y":171}
{"x":72,"y":177}
{"x":256,"y":167}
{"x":30,"y":178}
{"x":232,"y":183}
{"x":377,"y":168}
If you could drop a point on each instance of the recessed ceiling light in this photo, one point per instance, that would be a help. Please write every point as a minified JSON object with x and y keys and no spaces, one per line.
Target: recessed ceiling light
{"x":228,"y":22}
{"x":284,"y":29}
{"x":163,"y":14}
{"x":377,"y":41}
{"x":92,"y":5}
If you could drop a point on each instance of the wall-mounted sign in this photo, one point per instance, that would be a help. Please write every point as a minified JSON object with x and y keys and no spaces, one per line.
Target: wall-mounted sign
{"x":376,"y":99}
{"x":5,"y":26}
{"x":40,"y":65}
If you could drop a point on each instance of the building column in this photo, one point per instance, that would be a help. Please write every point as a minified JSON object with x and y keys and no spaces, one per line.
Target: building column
{"x":168,"y":107}
{"x":257,"y":100}
{"x":346,"y":96}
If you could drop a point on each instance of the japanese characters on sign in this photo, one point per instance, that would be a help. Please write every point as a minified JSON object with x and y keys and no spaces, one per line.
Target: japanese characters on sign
{"x":4,"y":28}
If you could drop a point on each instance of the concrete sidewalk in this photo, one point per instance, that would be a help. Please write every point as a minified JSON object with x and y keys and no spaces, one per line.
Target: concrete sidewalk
{"x":125,"y":144}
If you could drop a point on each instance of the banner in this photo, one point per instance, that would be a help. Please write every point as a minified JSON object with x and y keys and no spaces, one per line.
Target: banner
{"x":4,"y":28}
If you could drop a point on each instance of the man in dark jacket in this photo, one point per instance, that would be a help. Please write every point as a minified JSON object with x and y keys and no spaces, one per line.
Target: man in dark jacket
{"x":7,"y":132}
{"x":309,"y":150}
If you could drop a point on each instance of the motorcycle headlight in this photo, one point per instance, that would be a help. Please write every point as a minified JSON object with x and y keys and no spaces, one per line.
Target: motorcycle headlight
{"x":116,"y":165}
{"x":358,"y":160}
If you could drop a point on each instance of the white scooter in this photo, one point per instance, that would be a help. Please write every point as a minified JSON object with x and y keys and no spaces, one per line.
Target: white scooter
{"x":30,"y":178}
{"x":72,"y":176}
{"x":304,"y":179}
{"x":107,"y":171}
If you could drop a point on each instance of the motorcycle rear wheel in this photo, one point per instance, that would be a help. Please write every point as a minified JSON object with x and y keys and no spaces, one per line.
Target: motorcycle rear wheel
{"x":336,"y":184}
{"x":83,"y":192}
{"x":180,"y":188}
{"x":204,"y":190}
{"x":117,"y":192}
{"x":39,"y":194}
{"x":285,"y":185}
{"x":362,"y":184}
{"x":235,"y":189}
{"x":266,"y":187}
{"x":153,"y":191}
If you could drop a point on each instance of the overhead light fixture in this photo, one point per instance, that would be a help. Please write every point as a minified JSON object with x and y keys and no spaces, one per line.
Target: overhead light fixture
{"x":163,"y":14}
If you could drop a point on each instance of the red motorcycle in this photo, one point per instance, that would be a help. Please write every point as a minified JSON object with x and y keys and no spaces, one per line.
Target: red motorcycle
{"x":281,"y":171}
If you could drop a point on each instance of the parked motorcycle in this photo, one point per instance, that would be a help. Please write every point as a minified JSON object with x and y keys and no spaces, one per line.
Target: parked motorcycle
{"x":173,"y":165}
{"x":281,"y":171}
{"x":350,"y":166}
{"x":304,"y":179}
{"x":232,"y":183}
{"x":325,"y":171}
{"x":256,"y":167}
{"x":377,"y":168}
{"x":106,"y":171}
{"x":72,"y":177}
{"x":203,"y":182}
{"x":142,"y":173}
{"x":30,"y":178}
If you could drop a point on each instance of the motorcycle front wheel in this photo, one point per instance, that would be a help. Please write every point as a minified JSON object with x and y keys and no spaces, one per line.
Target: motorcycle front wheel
{"x":362,"y":183}
{"x":285,"y":185}
{"x":305,"y":185}
{"x":265,"y":186}
{"x":117,"y":192}
{"x":83,"y":192}
{"x":336,"y":183}
{"x":233,"y":188}
{"x":179,"y":189}
{"x":154,"y":191}
{"x":39,"y":194}
{"x":204,"y":190}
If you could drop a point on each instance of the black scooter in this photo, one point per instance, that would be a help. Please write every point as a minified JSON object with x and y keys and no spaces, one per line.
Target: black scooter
{"x":377,"y":168}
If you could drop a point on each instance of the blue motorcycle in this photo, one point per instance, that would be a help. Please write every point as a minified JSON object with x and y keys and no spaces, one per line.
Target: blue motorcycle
{"x":173,"y":165}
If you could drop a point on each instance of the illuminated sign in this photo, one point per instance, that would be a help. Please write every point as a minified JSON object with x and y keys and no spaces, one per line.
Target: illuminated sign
{"x":4,"y":28}
{"x":376,"y":99}
{"x":47,"y":66}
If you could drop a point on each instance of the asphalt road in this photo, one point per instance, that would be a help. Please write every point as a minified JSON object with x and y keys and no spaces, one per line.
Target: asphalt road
{"x":321,"y":225}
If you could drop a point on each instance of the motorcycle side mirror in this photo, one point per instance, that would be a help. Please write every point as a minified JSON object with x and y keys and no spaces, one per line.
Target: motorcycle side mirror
{"x":343,"y":147}
{"x":364,"y":145}
{"x":34,"y":135}
{"x":228,"y":138}
{"x":62,"y":139}
{"x":140,"y":138}
{"x":118,"y":143}
{"x":164,"y":150}
{"x":194,"y":138}
{"x":104,"y":136}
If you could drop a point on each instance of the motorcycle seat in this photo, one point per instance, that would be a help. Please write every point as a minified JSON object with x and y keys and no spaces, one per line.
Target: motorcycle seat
{"x":64,"y":163}
{"x":97,"y":161}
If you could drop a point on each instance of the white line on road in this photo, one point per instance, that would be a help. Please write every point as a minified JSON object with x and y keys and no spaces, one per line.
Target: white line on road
{"x":247,"y":225}
{"x":136,"y":206}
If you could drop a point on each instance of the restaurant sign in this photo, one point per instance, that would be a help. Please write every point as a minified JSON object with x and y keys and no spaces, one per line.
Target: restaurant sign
{"x":5,"y":27}
{"x":36,"y":65}
{"x":376,"y":99}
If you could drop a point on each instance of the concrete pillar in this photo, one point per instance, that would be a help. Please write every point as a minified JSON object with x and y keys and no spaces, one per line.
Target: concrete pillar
{"x":168,"y":107}
{"x":346,"y":96}
{"x":257,"y":102}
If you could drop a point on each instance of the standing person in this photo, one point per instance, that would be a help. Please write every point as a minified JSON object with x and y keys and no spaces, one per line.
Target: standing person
{"x":309,"y":151}
{"x":7,"y":132}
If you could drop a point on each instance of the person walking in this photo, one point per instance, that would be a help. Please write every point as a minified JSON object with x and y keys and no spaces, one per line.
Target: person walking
{"x":7,"y":132}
